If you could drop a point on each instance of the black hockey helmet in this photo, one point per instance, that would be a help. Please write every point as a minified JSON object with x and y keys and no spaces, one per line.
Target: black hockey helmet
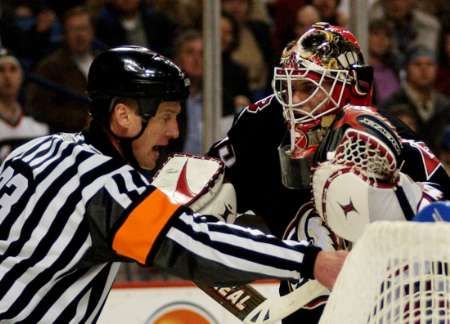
{"x":134,"y":72}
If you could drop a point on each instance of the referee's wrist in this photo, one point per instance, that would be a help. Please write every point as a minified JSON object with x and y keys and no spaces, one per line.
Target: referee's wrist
{"x":309,"y":260}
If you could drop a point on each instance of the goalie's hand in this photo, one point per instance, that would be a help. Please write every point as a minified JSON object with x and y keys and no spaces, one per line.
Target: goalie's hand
{"x":328,"y":265}
{"x":197,"y":182}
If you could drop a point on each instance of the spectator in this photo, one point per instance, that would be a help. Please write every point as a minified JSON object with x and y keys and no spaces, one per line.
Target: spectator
{"x":284,"y":22}
{"x":412,"y":27}
{"x":437,"y":8}
{"x":189,"y":57}
{"x":15,"y":127}
{"x":382,"y":59}
{"x":404,"y":114}
{"x":61,"y":103}
{"x":328,"y":10}
{"x":31,"y":30}
{"x":306,"y":17}
{"x":234,"y":75}
{"x":444,"y":150}
{"x":255,"y":49}
{"x":430,"y":108}
{"x":443,"y":73}
{"x":130,"y":22}
{"x":176,"y":10}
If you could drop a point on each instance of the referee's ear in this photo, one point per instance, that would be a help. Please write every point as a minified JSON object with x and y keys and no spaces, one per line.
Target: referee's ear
{"x":125,"y":121}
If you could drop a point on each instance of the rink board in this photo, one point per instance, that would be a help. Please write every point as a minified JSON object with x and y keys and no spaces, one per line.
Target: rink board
{"x":169,"y":302}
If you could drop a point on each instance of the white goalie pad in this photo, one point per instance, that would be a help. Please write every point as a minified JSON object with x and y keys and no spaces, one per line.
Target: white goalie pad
{"x":197,"y":181}
{"x":347,"y":202}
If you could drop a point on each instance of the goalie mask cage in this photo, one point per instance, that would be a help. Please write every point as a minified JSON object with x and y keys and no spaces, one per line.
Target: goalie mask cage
{"x":397,"y":273}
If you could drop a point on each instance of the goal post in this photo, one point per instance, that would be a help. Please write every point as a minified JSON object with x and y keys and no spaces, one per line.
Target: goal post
{"x":397,"y":273}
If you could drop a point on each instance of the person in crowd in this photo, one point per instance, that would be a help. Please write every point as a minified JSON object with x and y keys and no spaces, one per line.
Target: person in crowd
{"x":132,"y":22}
{"x":285,"y":12}
{"x":443,"y":72}
{"x":444,"y":149}
{"x":234,"y":75}
{"x":189,"y":56}
{"x":57,"y":95}
{"x":329,"y":12}
{"x":15,"y":127}
{"x":411,"y":26}
{"x":255,"y":48}
{"x":317,"y":161}
{"x":382,"y":59}
{"x":77,"y":203}
{"x":305,"y":18}
{"x":176,"y":11}
{"x":431,"y":109}
{"x":31,"y":29}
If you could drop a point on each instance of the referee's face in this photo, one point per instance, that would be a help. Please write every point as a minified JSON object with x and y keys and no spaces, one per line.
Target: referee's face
{"x":160,"y":129}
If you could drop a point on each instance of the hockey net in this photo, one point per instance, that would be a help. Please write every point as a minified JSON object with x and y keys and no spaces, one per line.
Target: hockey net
{"x":397,"y":273}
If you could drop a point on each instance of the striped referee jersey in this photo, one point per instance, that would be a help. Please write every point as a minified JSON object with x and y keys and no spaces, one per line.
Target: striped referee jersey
{"x":71,"y":209}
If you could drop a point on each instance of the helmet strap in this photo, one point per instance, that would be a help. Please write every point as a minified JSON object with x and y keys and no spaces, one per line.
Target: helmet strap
{"x":147,"y":109}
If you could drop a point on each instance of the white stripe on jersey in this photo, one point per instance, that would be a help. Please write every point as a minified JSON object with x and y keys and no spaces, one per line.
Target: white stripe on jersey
{"x":53,"y":165}
{"x":45,"y":288}
{"x":121,"y":198}
{"x":239,"y":241}
{"x":213,"y":254}
{"x":70,"y":293}
{"x":112,"y":275}
{"x":18,"y":152}
{"x":233,"y":262}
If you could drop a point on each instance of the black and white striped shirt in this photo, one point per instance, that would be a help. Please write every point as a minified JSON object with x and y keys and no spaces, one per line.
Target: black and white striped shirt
{"x":69,"y":212}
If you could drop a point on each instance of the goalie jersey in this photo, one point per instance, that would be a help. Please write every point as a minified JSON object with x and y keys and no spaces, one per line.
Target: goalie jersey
{"x":250,"y":153}
{"x":252,"y":164}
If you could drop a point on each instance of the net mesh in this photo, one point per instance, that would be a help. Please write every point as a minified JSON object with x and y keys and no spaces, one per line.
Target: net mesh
{"x":397,"y":273}
{"x":367,"y":154}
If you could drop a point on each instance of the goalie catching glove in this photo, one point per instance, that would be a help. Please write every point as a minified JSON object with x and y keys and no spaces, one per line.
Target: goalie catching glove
{"x":198,"y":182}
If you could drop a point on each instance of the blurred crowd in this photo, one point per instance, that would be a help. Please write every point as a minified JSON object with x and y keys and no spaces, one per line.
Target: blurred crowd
{"x":47,"y":47}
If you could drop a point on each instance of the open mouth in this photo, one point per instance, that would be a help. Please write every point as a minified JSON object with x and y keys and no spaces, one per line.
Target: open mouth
{"x":157,"y":148}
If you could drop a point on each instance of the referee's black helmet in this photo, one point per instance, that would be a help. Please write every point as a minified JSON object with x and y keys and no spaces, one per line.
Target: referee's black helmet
{"x":134,"y":72}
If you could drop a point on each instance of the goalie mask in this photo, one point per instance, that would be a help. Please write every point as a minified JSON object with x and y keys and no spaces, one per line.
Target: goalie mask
{"x":319,"y":74}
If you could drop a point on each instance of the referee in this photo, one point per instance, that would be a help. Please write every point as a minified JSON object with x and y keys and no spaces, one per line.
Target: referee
{"x":73,"y":205}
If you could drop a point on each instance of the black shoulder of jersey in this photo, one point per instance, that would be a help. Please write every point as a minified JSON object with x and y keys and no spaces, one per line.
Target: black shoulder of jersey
{"x":250,"y":153}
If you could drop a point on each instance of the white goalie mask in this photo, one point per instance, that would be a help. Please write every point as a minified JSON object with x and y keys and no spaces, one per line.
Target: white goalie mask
{"x":319,"y":74}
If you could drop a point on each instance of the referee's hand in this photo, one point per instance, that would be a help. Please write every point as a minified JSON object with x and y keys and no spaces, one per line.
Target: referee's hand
{"x":328,"y":265}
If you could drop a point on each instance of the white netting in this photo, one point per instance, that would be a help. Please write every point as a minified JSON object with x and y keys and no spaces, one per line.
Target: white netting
{"x":397,"y":273}
{"x":368,"y":154}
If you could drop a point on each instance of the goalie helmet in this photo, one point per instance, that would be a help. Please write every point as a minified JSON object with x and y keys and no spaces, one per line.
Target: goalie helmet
{"x":319,"y":74}
{"x":326,"y":61}
{"x":134,"y":72}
